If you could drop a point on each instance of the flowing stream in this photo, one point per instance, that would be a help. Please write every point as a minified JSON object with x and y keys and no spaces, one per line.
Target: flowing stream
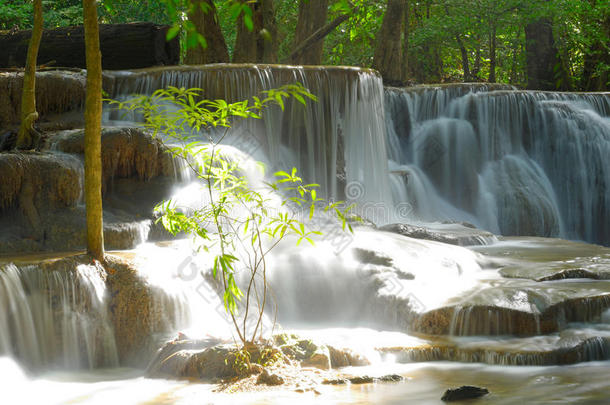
{"x":522,"y":313}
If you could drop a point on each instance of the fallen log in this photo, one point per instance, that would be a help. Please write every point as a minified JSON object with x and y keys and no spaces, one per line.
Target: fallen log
{"x":124,"y":46}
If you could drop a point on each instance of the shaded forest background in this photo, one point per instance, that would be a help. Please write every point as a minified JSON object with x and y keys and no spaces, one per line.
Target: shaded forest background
{"x":542,"y":44}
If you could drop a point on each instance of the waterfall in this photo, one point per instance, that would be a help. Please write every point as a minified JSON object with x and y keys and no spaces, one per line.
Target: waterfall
{"x":336,"y":141}
{"x":513,"y":162}
{"x":56,"y":316}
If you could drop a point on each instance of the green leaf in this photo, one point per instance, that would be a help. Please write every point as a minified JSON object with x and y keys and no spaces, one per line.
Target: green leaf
{"x":172,"y":32}
{"x":248,"y":22}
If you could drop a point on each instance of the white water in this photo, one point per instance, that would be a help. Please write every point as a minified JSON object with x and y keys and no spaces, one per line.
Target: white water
{"x":56,"y":317}
{"x":334,"y":142}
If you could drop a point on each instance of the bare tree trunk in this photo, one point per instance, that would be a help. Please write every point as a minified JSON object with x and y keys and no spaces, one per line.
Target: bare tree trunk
{"x":492,"y":55}
{"x":317,"y":36}
{"x":93,"y":130}
{"x":246,"y":43}
{"x":542,"y":59}
{"x":25,"y":138}
{"x":405,"y":44}
{"x":312,"y":16}
{"x":477,"y":61}
{"x":514,"y":50}
{"x":388,"y":53}
{"x":269,"y":38}
{"x":465,"y":62}
{"x":204,"y":16}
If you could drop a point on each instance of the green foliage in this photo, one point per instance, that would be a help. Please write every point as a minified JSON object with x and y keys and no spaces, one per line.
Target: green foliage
{"x":581,"y":29}
{"x":238,"y":223}
{"x":269,"y":356}
{"x":15,"y":13}
{"x":57,"y":13}
{"x":354,"y":42}
{"x":240,"y":361}
{"x":583,"y":35}
{"x":124,"y":11}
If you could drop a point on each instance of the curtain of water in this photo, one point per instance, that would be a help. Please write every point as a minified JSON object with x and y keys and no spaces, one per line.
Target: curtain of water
{"x":513,"y":162}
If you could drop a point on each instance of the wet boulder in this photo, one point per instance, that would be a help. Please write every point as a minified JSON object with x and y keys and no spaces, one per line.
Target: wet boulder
{"x":464,"y":392}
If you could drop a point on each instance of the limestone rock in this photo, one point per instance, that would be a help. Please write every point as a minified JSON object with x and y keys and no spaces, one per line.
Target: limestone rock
{"x":126,"y":153}
{"x":137,"y":310}
{"x":345,"y":358}
{"x":268,"y":378}
{"x":56,"y":92}
{"x":305,"y":351}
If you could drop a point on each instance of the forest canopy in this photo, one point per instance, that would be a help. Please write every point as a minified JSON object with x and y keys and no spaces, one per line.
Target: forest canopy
{"x":566,"y":42}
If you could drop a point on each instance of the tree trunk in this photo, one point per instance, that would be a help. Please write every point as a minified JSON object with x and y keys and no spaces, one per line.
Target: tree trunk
{"x":465,"y":62}
{"x":269,"y":38}
{"x":246,"y":42}
{"x":25,"y":138}
{"x":93,"y":130}
{"x":492,"y":55}
{"x":405,"y":45}
{"x":388,"y":53}
{"x":312,"y":16}
{"x":476,"y":69}
{"x":541,"y":55}
{"x":204,"y":16}
{"x":317,"y":36}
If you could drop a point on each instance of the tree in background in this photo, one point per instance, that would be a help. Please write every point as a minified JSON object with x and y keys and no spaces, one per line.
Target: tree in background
{"x":203,"y":15}
{"x":27,"y":133}
{"x":582,"y":36}
{"x":312,"y":16}
{"x":388,"y":58}
{"x":249,"y":25}
{"x":442,"y":40}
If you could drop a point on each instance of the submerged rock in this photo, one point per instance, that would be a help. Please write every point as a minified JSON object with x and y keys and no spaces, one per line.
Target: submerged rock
{"x":335,"y":381}
{"x":521,"y":310}
{"x":453,"y":234}
{"x":464,"y":392}
{"x":362,"y":379}
{"x":568,"y":347}
{"x":372,"y":257}
{"x":391,"y":378}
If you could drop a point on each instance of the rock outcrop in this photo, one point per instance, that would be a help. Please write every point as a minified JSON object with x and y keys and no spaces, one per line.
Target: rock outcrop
{"x":57,"y":92}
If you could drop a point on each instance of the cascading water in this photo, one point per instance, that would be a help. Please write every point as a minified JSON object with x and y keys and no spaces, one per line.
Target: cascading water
{"x":488,"y":155}
{"x":512,"y":162}
{"x":56,"y":317}
{"x":333,"y":142}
